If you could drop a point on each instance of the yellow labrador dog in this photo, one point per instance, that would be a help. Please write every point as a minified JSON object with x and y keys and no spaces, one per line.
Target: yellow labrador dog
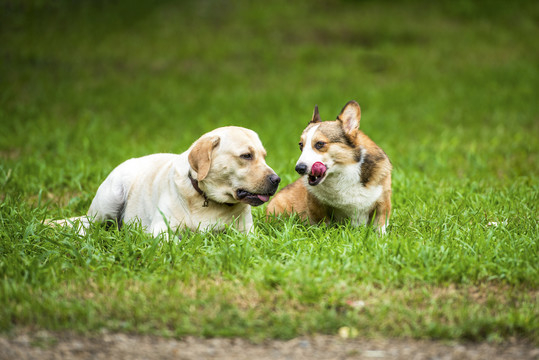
{"x":213,"y":184}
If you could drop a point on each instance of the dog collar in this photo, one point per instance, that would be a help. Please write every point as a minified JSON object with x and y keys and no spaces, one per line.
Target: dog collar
{"x":198,"y":190}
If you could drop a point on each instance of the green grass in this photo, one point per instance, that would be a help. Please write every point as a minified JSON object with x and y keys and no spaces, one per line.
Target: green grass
{"x":449,"y":91}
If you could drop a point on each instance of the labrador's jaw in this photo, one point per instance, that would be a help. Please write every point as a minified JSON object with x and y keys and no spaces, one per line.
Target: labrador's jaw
{"x":251,"y":198}
{"x":261,"y":195}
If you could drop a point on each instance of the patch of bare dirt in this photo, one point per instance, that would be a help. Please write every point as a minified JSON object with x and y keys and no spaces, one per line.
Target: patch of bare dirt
{"x":45,"y":345}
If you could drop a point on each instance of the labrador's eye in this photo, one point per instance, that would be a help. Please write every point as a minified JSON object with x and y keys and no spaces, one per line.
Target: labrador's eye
{"x":247,"y":156}
{"x":300,"y":146}
{"x":319,"y":145}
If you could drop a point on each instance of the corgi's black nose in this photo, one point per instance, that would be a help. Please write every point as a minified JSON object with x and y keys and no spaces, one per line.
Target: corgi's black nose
{"x":274,"y":179}
{"x":301,"y":169}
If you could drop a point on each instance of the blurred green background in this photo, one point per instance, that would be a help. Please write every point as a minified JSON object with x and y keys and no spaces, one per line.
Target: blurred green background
{"x":449,"y":88}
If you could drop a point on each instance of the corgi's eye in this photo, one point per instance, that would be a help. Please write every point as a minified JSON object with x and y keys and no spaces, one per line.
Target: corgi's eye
{"x":300,"y":146}
{"x":247,"y":156}
{"x":319,"y":145}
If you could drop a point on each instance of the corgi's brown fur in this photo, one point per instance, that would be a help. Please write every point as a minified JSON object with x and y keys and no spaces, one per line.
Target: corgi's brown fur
{"x":345,"y":175}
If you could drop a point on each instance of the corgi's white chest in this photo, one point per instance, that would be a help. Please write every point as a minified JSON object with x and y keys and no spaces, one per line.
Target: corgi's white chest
{"x":343,"y":191}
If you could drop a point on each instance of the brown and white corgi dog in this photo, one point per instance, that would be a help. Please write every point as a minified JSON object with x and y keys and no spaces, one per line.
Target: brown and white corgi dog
{"x":345,"y":175}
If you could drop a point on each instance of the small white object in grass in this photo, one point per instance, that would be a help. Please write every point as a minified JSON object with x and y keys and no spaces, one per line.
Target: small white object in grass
{"x":356,"y":304}
{"x":495,"y":223}
{"x":347,"y":332}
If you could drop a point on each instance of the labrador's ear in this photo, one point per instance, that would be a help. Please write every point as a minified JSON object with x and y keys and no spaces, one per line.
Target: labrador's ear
{"x":350,"y":117}
{"x":201,"y":154}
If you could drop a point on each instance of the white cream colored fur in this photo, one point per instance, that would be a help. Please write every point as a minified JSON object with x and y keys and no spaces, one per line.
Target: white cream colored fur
{"x":156,"y":190}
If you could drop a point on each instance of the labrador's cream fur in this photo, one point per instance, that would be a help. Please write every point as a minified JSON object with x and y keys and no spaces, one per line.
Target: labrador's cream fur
{"x":227,"y":164}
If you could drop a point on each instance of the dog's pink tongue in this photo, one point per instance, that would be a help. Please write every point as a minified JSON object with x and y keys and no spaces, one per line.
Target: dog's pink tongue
{"x":318,"y":169}
{"x":263,"y":198}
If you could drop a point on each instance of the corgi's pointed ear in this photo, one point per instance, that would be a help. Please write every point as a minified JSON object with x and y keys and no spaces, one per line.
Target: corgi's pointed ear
{"x":316,"y":115}
{"x":350,"y":117}
{"x":201,"y":154}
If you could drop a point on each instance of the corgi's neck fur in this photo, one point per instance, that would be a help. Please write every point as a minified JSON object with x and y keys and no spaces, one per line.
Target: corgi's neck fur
{"x":342,"y":190}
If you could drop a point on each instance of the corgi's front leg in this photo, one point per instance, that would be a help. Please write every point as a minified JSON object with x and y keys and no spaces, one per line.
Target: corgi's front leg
{"x":381,"y":215}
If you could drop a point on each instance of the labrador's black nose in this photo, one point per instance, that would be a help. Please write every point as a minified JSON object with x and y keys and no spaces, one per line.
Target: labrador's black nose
{"x":301,"y":169}
{"x":274,"y":179}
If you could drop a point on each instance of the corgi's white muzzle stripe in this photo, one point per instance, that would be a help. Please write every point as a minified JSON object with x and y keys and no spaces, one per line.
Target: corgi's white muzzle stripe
{"x":309,"y":156}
